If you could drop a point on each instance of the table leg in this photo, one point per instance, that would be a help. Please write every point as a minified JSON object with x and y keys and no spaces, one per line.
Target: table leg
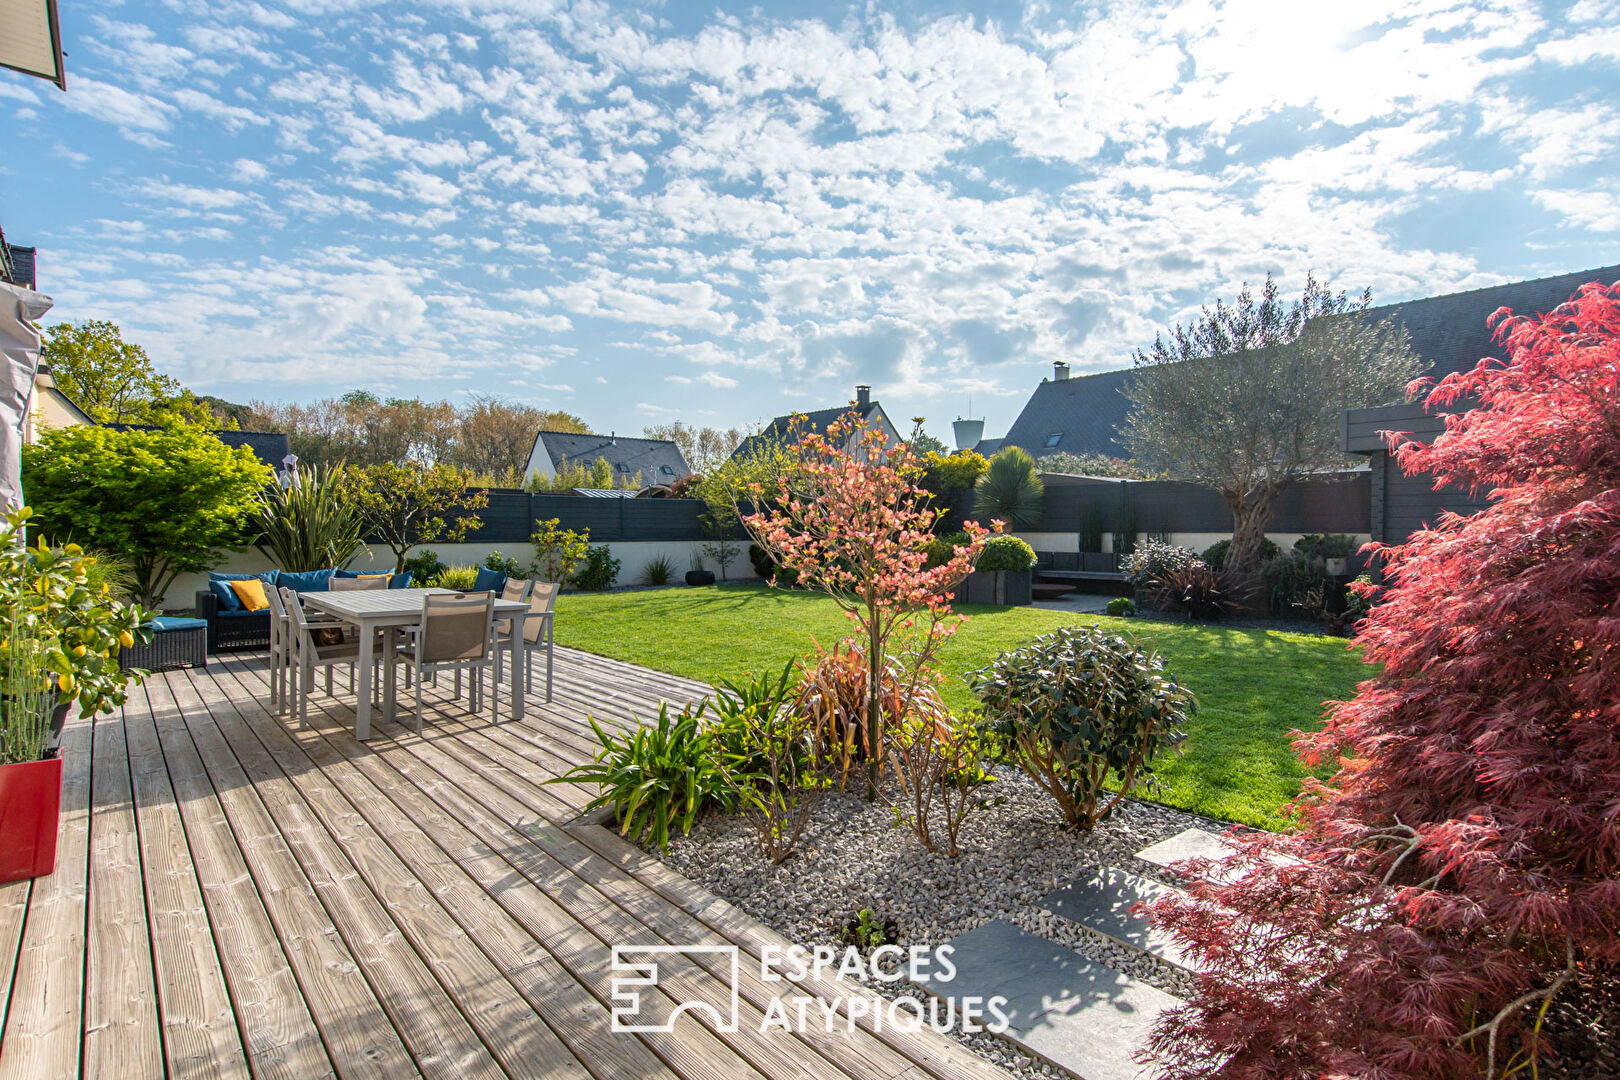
{"x":390,"y":683}
{"x":520,"y":649}
{"x":362,"y":692}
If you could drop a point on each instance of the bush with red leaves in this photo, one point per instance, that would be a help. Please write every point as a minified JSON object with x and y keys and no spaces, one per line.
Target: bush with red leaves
{"x":1463,"y":866}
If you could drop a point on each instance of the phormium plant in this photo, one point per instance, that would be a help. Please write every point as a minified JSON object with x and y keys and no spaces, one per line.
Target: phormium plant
{"x":1462,"y":869}
{"x":1078,"y":703}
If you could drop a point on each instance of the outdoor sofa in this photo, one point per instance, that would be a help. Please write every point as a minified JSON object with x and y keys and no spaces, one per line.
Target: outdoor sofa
{"x":232,"y":626}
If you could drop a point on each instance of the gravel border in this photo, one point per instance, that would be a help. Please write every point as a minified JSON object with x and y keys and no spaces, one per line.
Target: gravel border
{"x":854,"y":854}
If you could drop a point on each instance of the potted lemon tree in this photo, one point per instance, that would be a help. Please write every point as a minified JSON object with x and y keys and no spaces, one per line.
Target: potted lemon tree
{"x":60,"y":633}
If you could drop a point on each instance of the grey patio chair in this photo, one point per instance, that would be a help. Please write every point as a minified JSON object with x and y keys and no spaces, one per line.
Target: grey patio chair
{"x":307,"y":655}
{"x":358,"y":584}
{"x":516,"y":589}
{"x":281,"y":646}
{"x":536,"y":629}
{"x":457,"y":631}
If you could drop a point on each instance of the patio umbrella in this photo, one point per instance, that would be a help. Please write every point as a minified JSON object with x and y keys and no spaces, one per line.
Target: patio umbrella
{"x":19,"y":358}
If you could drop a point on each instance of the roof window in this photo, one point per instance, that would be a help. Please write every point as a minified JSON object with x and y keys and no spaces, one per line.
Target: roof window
{"x":1053,"y":439}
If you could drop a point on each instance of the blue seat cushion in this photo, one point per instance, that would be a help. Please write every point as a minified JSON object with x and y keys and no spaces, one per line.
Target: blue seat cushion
{"x":177,"y":622}
{"x":243,"y":613}
{"x":489,"y":580}
{"x":227,"y":596}
{"x":307,"y":581}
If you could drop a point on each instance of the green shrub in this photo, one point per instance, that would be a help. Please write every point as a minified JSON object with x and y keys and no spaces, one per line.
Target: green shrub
{"x":425,"y":566}
{"x":941,"y":548}
{"x":768,"y":570}
{"x":1290,"y":578}
{"x":1121,"y":606}
{"x":557,"y":551}
{"x":1153,"y":559}
{"x":1078,"y":704}
{"x":503,"y":564}
{"x":655,"y":777}
{"x":1215,"y":554}
{"x":1331,"y":546}
{"x":658,"y":571}
{"x":1005,"y":553}
{"x":769,"y":752}
{"x":599,"y":571}
{"x":459,"y":578}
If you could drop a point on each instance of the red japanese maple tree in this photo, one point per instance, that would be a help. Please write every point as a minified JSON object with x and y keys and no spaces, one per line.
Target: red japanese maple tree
{"x":1463,"y":866}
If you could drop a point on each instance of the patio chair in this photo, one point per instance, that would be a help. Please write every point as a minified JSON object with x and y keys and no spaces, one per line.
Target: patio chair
{"x":359,"y":584}
{"x":281,"y":646}
{"x":536,"y":628}
{"x":307,"y":655}
{"x":516,"y":589}
{"x":457,"y":631}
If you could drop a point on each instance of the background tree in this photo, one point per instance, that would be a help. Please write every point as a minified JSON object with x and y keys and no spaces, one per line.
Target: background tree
{"x":494,"y":437}
{"x":1009,"y":490}
{"x":923,"y":444}
{"x":171,"y":500}
{"x":950,"y":479}
{"x":1246,"y":399}
{"x":1463,"y":867}
{"x":703,"y":448}
{"x":113,"y":380}
{"x":403,"y":505}
{"x":1092,"y":465}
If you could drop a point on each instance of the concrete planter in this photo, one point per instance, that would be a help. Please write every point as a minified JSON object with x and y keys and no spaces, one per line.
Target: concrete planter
{"x":998,"y":588}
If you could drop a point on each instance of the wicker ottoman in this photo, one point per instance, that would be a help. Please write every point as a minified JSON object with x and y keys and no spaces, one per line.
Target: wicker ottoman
{"x":176,"y":642}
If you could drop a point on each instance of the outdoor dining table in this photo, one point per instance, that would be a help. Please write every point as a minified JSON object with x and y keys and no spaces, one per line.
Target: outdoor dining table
{"x":391,"y":610}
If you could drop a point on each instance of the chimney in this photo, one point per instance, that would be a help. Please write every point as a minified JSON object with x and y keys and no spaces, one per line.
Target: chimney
{"x":1060,"y":371}
{"x":863,"y":395}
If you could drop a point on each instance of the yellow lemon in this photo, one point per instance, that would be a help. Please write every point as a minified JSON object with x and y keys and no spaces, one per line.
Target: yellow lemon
{"x":65,"y":683}
{"x":126,"y":639}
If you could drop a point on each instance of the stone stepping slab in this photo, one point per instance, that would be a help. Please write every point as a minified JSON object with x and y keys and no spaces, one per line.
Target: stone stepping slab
{"x":1194,"y":844}
{"x":1102,"y":901}
{"x":1077,"y":1014}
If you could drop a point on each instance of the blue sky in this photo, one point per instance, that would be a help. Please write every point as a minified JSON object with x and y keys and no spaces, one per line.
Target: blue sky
{"x":719,"y":213}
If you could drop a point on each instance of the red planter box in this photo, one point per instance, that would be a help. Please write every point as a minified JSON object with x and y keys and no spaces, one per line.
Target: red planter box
{"x":30,"y":796}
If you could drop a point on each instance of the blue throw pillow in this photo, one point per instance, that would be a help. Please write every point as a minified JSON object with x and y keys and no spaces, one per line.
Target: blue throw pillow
{"x":400,"y":581}
{"x":307,"y":581}
{"x":226,"y":594}
{"x":489,"y":580}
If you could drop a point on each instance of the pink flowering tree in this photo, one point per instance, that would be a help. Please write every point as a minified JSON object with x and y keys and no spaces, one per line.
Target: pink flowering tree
{"x":851,"y":520}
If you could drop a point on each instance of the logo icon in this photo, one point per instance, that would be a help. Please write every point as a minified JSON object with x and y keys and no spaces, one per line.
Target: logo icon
{"x":641,"y":962}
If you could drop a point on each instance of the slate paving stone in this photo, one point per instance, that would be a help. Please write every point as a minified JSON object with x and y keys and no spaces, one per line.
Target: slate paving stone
{"x":1102,"y":900}
{"x":1188,"y":844}
{"x":1078,"y":1014}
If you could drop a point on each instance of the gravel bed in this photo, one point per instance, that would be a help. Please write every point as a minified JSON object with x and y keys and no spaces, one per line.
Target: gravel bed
{"x":855,"y":855}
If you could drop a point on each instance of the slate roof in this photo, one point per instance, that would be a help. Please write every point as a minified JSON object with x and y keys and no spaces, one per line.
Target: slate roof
{"x":627,"y":456}
{"x":816,"y":421}
{"x":268,"y":446}
{"x":1086,"y":409}
{"x":20,"y":266}
{"x":1449,"y":331}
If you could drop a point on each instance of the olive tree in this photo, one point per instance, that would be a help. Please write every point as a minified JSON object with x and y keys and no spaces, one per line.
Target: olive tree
{"x":1246,"y":399}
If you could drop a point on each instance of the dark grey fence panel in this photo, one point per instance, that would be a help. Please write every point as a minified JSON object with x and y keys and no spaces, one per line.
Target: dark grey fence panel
{"x":1319,"y":506}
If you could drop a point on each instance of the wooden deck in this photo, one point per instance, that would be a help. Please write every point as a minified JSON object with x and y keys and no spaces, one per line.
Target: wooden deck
{"x":234,"y":897}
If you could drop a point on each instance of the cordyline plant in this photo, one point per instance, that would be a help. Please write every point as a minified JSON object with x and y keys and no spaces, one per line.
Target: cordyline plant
{"x":1463,"y":867}
{"x":851,"y":520}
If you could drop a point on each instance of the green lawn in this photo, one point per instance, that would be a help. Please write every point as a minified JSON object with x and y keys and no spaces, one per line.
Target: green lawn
{"x":1253,"y":686}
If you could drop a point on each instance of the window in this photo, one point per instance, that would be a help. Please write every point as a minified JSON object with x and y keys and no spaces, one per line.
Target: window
{"x":1053,"y":439}
{"x":667,"y":471}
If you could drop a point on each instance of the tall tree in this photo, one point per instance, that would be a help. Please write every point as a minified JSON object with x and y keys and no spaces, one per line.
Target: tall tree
{"x":170,"y":500}
{"x":703,"y":448}
{"x":113,"y":380}
{"x":1462,"y":869}
{"x":406,"y":504}
{"x":1246,"y":398}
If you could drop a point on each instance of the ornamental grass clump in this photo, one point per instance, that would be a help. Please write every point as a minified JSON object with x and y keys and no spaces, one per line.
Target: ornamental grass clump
{"x":1079,"y":705}
{"x":1462,"y":868}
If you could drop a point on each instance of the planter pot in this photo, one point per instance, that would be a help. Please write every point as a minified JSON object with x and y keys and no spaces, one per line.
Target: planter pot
{"x":998,"y":588}
{"x":30,"y":797}
{"x":700,"y":577}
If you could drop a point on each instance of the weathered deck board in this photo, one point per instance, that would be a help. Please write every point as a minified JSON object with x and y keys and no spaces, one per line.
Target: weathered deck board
{"x":235,"y":896}
{"x":120,"y":1008}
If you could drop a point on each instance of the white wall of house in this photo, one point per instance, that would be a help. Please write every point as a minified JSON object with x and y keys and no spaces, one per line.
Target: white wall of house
{"x":634,"y":554}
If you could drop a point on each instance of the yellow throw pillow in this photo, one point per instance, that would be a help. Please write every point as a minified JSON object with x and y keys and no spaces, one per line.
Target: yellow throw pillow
{"x":366,"y":577}
{"x":251,"y":593}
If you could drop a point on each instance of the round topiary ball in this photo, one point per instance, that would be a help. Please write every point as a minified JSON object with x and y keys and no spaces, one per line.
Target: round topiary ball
{"x":1005,"y":553}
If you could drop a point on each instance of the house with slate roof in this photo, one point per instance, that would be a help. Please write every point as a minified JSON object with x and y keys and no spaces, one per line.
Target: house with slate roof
{"x":1066,"y":414}
{"x":656,"y":461}
{"x":782,"y":427}
{"x":1450,"y":333}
